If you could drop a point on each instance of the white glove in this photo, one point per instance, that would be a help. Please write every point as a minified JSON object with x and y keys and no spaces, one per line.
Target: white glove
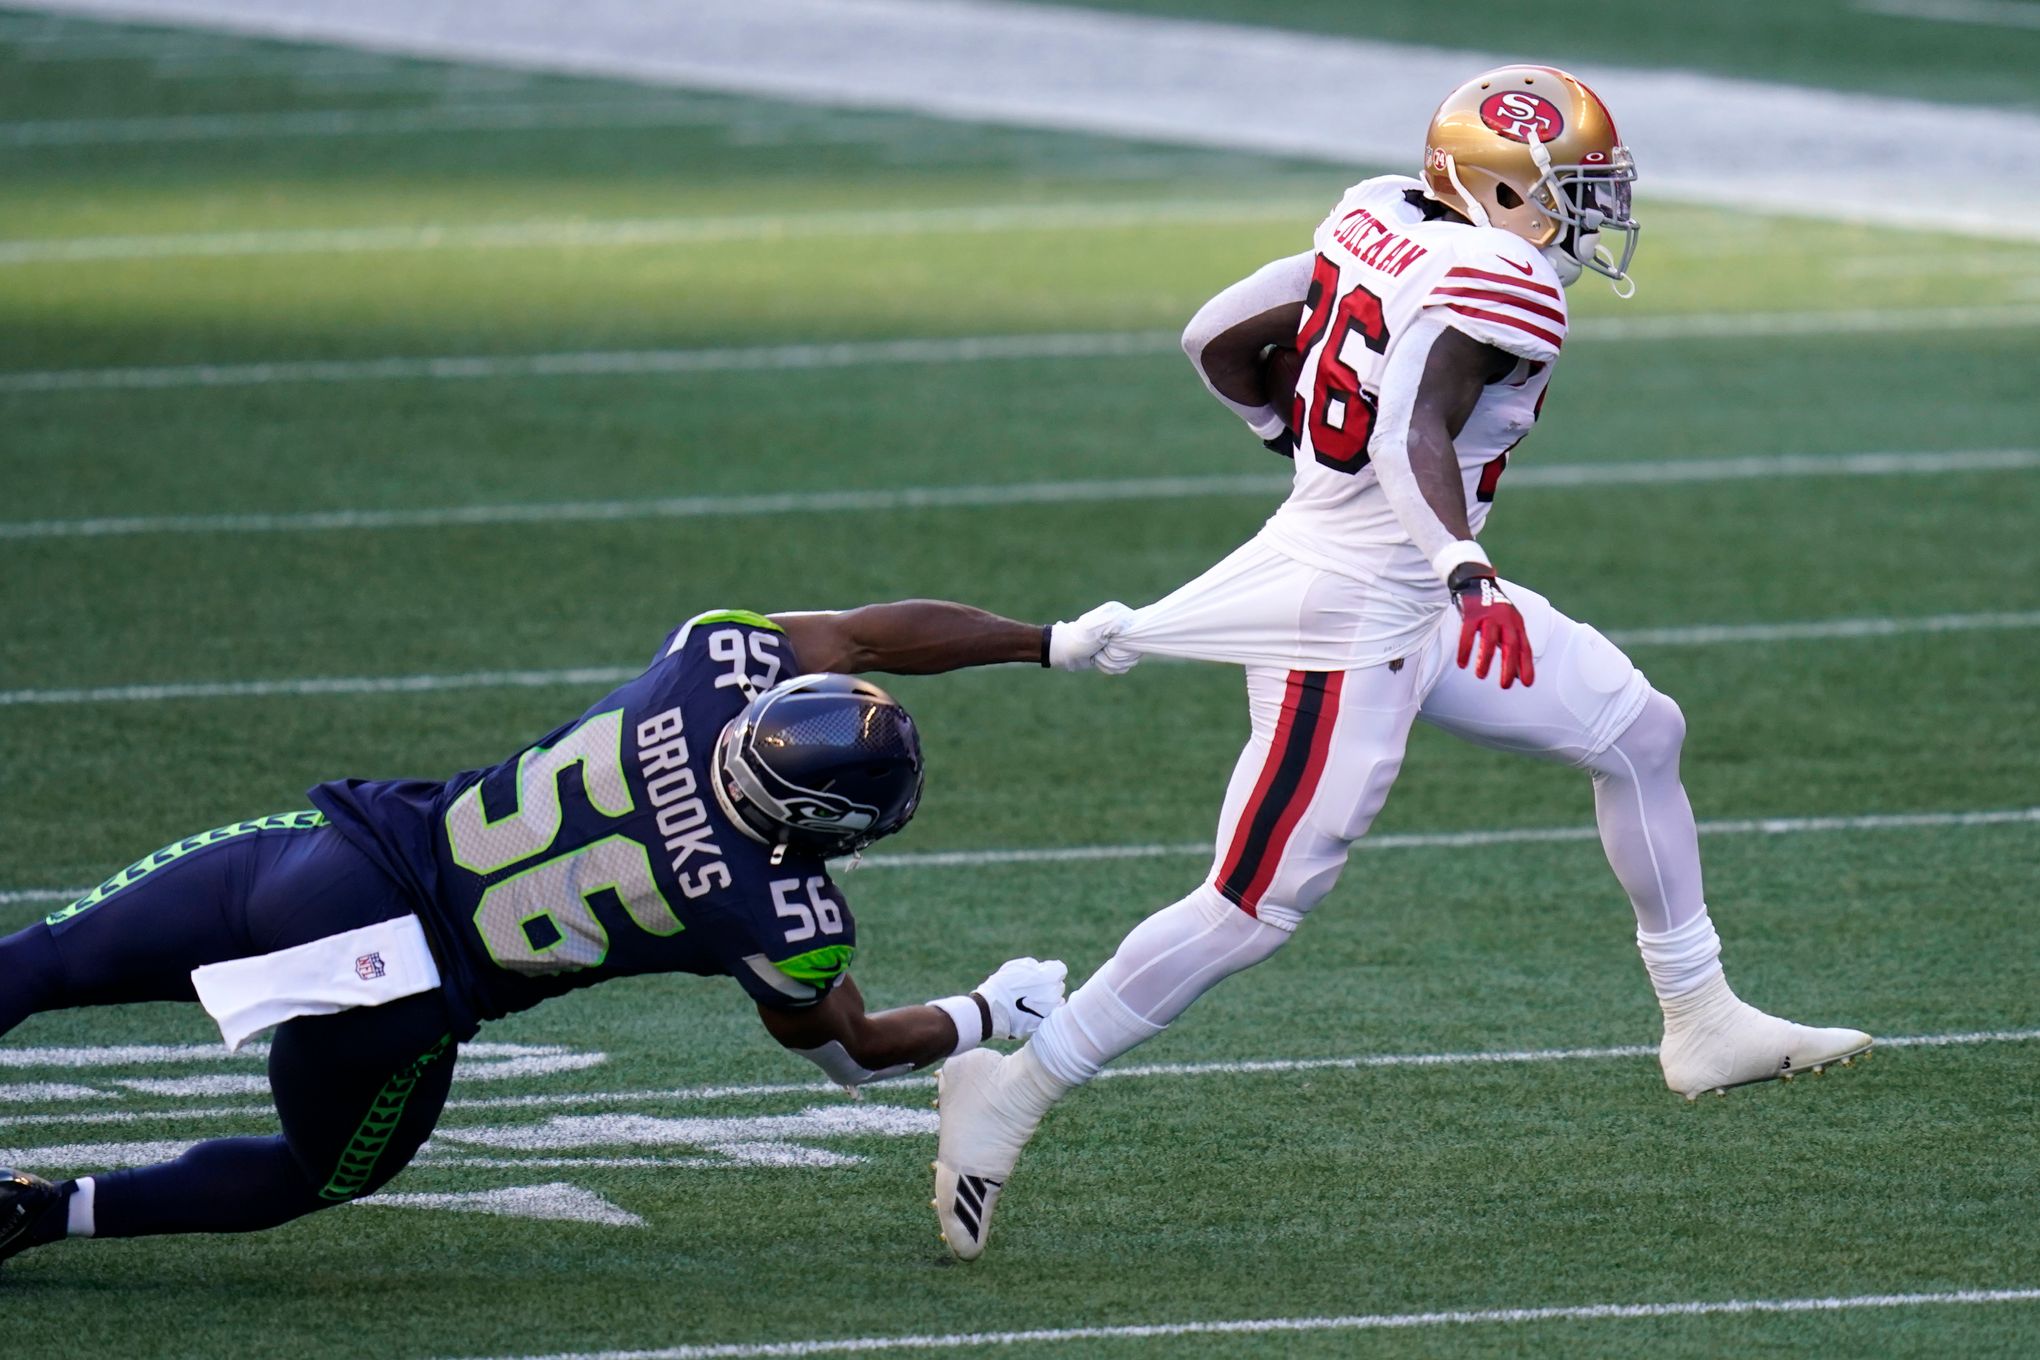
{"x":1117,"y":658}
{"x":1022,"y":994}
{"x":1082,"y":645}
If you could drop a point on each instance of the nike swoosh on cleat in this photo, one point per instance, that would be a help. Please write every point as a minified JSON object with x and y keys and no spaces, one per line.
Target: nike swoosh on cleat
{"x":1021,"y":1005}
{"x":1523,"y":269}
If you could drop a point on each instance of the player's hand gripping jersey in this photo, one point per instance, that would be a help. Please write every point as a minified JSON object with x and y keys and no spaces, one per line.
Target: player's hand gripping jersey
{"x":1380,"y":264}
{"x":601,"y":851}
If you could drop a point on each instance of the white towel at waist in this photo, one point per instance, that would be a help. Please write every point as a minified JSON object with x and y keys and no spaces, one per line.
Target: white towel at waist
{"x":367,"y":967}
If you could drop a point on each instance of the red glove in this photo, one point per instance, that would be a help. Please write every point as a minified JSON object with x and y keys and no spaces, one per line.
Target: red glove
{"x":1485,"y":613}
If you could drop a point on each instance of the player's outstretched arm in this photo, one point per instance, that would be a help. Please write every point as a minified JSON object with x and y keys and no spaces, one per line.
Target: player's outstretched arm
{"x":926,"y":637}
{"x":854,"y":1046}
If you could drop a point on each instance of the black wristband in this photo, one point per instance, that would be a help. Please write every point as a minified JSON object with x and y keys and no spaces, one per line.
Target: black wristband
{"x":1047,"y":632}
{"x":1466,"y":573}
{"x":984,"y":1014}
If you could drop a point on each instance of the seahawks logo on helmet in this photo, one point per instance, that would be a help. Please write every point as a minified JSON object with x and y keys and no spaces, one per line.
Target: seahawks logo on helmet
{"x":820,"y":765}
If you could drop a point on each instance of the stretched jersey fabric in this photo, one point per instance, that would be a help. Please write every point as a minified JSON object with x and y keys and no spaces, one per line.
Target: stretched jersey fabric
{"x":1380,"y":263}
{"x":600,"y":851}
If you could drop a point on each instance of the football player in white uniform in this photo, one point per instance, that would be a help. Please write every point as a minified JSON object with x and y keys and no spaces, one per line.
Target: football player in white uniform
{"x":1421,"y":330}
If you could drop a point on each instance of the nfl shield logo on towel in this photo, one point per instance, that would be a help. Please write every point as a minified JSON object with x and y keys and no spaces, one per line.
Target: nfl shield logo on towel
{"x":369,"y":967}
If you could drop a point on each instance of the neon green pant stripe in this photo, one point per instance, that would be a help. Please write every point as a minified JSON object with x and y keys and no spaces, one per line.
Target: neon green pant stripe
{"x":819,"y":966}
{"x":365,"y":1148}
{"x":743,"y":616}
{"x":170,"y":854}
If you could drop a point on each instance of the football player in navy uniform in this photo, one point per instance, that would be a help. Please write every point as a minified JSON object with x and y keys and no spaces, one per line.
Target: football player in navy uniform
{"x":680,"y":824}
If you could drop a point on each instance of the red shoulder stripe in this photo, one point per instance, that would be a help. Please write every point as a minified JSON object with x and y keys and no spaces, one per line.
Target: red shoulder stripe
{"x":1489,"y":295}
{"x":1542,"y":334}
{"x":1463,"y":272}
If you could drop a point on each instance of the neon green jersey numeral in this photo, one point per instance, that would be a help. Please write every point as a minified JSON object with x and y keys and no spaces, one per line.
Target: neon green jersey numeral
{"x":541,"y":920}
{"x":482,"y":845}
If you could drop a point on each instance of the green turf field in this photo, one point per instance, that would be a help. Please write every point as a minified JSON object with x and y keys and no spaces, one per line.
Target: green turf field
{"x":1928,"y":49}
{"x":197,"y":520}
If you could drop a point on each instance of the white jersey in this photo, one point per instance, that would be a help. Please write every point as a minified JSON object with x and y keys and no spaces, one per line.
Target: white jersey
{"x":1379,"y":265}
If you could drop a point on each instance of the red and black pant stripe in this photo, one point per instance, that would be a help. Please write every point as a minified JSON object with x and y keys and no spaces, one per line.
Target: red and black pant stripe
{"x":1289,"y":778}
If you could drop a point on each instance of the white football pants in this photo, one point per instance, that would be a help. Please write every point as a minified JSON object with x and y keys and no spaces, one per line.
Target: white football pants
{"x":1325,"y":749}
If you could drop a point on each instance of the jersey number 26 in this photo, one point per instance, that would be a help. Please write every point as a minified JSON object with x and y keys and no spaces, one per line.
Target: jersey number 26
{"x":1341,"y":414}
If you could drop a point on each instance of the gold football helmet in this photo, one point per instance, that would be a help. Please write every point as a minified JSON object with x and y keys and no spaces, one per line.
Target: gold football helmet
{"x":1533,"y":151}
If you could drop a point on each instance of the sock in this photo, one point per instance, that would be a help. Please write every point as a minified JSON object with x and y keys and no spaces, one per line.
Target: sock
{"x":1682,"y":962}
{"x":1091,"y":1029}
{"x":1027,"y":1088}
{"x":78,"y":1207}
{"x":1165,"y":963}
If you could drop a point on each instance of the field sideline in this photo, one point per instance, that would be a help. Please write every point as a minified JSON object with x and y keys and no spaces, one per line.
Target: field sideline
{"x":368,"y":415}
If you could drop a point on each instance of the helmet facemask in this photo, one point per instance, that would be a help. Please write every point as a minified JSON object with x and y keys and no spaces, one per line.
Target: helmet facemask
{"x":1581,"y":202}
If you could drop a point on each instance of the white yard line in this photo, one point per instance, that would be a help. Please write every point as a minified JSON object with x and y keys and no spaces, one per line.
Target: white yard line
{"x":613,"y":363}
{"x":44,"y":1092}
{"x":213,"y":127}
{"x":1358,"y":1322}
{"x":1139,"y":1072}
{"x":956,"y":350}
{"x":1746,"y":325}
{"x":555,"y":1201}
{"x":579,"y":676}
{"x":652,"y":231}
{"x":1647,"y":472}
{"x":978,"y":859}
{"x":76,"y":1057}
{"x":1697,"y":635}
{"x":1776,"y":826}
{"x":1709,"y":635}
{"x":1990,"y":13}
{"x":1858,"y":157}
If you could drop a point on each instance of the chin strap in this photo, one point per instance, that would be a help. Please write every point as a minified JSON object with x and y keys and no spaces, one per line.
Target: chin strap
{"x":1474,"y":208}
{"x":1602,"y":255}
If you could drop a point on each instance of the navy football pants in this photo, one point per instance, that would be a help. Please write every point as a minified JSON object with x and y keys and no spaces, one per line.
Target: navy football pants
{"x":357,"y":1091}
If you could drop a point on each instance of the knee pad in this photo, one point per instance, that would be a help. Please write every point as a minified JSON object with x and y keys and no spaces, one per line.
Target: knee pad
{"x":1595,"y":681}
{"x":1228,"y":926}
{"x":1654,"y":738}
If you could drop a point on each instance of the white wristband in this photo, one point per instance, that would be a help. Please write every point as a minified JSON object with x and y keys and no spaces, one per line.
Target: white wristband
{"x":1457,"y":554}
{"x":967,"y":1012}
{"x":1266,"y":422}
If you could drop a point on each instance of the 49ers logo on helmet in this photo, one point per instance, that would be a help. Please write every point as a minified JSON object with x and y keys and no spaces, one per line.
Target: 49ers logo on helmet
{"x":1518,"y":113}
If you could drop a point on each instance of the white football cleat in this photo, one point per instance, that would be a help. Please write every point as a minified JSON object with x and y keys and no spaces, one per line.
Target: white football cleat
{"x":983,"y":1131}
{"x":1715,"y":1041}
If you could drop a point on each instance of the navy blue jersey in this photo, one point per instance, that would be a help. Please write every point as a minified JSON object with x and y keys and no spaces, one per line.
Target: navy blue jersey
{"x":600,"y":849}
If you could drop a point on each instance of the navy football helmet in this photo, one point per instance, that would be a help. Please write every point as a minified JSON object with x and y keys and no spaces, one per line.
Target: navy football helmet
{"x":821,"y":765}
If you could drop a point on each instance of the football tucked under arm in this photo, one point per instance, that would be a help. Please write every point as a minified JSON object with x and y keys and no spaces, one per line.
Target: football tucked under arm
{"x":1230,"y":335}
{"x":1280,"y":372}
